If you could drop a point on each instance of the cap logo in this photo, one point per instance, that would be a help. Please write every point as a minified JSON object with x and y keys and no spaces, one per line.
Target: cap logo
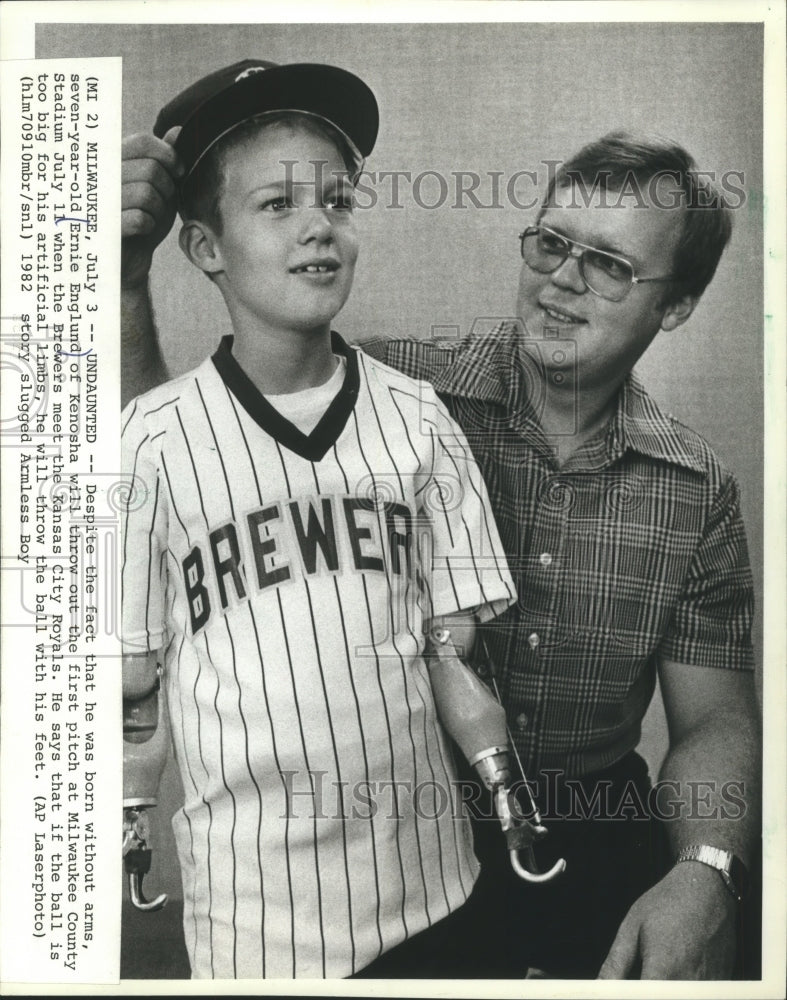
{"x":248,"y":72}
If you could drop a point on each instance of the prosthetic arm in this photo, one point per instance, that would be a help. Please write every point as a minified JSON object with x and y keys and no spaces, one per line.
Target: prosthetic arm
{"x":145,"y":743}
{"x":476,"y":720}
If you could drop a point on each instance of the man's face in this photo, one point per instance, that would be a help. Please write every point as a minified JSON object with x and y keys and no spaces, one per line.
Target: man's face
{"x":286,"y":254}
{"x":609,"y":336}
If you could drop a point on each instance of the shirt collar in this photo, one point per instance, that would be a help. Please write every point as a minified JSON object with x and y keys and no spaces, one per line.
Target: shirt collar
{"x":481,"y":367}
{"x":315,"y":445}
{"x":641,"y":425}
{"x":487,"y":367}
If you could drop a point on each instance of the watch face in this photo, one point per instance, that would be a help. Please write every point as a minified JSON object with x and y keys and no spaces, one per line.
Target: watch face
{"x":728,"y":881}
{"x":730,"y":867}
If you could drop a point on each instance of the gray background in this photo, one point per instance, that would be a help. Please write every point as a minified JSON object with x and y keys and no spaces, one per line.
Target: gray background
{"x":493,"y":97}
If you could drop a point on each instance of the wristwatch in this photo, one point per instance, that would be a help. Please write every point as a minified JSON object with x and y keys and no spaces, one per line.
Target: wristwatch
{"x":731,"y":868}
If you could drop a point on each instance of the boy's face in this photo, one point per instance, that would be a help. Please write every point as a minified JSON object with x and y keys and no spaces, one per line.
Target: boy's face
{"x":286,"y":254}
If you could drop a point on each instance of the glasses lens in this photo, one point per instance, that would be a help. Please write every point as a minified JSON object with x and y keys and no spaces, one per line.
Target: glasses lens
{"x":543,"y":251}
{"x":607,"y":276}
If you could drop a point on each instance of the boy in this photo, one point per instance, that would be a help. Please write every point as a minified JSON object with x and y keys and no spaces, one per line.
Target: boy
{"x":301,"y":513}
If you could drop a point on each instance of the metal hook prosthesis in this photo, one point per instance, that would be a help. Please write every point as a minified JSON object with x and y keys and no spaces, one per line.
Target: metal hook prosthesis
{"x":521,"y":833}
{"x":137,"y":857}
{"x":476,"y":719}
{"x":530,"y":876}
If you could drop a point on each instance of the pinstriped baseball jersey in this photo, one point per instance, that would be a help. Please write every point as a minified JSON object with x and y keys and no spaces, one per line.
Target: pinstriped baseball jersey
{"x":288,"y":578}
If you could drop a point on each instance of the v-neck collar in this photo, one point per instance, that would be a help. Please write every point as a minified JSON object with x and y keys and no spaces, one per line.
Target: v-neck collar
{"x":312,"y":446}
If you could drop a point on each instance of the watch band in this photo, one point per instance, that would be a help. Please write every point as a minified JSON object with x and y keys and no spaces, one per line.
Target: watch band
{"x":730,"y":868}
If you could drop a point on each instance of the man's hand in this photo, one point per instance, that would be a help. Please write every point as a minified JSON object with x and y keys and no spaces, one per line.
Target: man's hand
{"x":685,"y":926}
{"x":682,"y":928}
{"x":150,"y":169}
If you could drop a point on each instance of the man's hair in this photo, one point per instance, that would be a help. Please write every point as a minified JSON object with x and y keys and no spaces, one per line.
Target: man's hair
{"x":200,"y":193}
{"x":621,"y":162}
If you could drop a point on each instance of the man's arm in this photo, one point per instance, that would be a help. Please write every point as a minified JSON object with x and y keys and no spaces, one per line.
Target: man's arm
{"x":142,"y":366}
{"x":148,"y":200}
{"x":685,"y":926}
{"x":715,"y":735}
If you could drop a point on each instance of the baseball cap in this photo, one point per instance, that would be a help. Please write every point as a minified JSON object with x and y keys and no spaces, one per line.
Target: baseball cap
{"x":215,"y":104}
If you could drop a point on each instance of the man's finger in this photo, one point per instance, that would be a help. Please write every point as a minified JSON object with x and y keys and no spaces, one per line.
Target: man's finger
{"x":136,"y":222}
{"x":172,"y":135}
{"x":145,"y":145}
{"x":170,"y":138}
{"x":144,"y":196}
{"x":149,"y":172}
{"x":661,"y":966}
{"x":623,"y":954}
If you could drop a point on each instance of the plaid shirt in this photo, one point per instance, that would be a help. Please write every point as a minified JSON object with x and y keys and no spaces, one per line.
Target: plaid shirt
{"x":631,"y":550}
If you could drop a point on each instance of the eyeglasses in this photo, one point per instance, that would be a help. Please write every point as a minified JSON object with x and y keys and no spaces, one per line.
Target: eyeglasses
{"x":605,"y":274}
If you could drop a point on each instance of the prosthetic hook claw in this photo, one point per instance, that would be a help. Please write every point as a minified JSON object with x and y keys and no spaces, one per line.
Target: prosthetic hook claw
{"x":521,"y":834}
{"x":138,"y":897}
{"x":532,"y":874}
{"x":137,"y":857}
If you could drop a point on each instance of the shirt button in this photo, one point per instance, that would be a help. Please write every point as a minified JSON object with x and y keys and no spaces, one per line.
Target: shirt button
{"x":533,"y":640}
{"x":545,"y":559}
{"x":521,"y":720}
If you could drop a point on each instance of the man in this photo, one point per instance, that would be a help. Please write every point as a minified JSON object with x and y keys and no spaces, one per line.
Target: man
{"x":625,"y":541}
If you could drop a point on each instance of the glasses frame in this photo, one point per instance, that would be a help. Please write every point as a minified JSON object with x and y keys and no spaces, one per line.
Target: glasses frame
{"x":578,"y":250}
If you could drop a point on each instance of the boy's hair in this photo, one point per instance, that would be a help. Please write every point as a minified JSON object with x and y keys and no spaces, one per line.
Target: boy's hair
{"x":200,"y":193}
{"x":621,"y":161}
